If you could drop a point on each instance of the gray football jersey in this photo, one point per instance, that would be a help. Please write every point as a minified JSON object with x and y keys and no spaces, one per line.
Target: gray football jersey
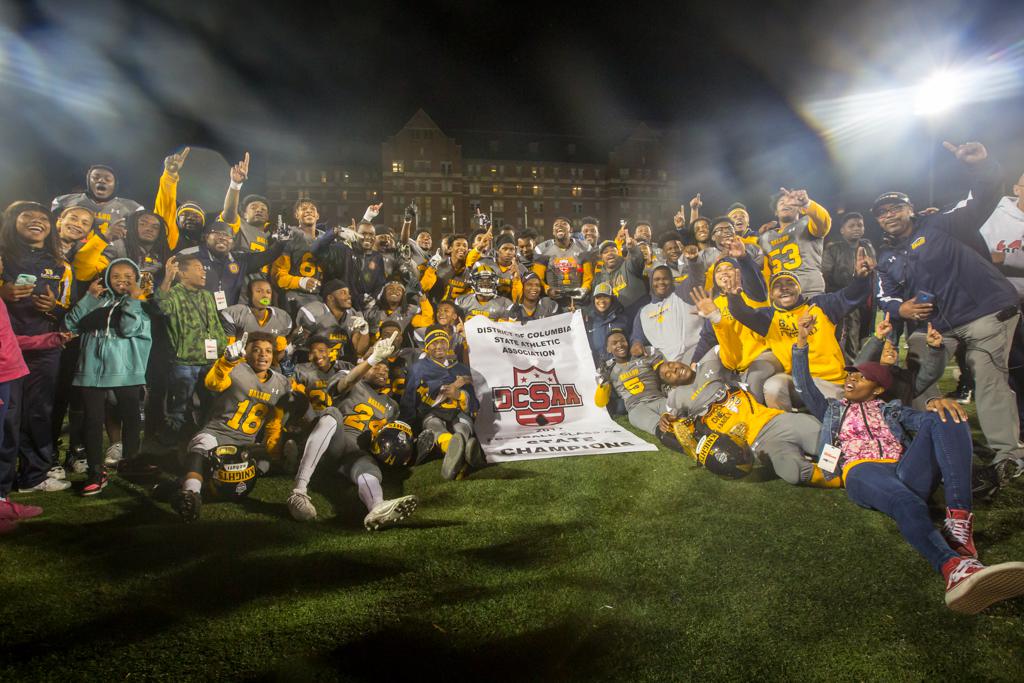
{"x":636,"y":381}
{"x":316,"y":319}
{"x":240,"y":318}
{"x":251,"y":238}
{"x":241,"y":410}
{"x":797,"y":251}
{"x":564,"y":265}
{"x":495,"y":309}
{"x":315,"y":381}
{"x":365,"y":410}
{"x":402,"y":315}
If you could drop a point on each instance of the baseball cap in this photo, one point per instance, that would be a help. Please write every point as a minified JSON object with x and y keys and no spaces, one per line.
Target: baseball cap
{"x":603,"y":289}
{"x":217,"y":226}
{"x":890,"y":198}
{"x":876,"y":372}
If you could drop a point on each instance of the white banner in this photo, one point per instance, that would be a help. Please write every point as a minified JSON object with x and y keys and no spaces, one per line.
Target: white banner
{"x":536,"y":385}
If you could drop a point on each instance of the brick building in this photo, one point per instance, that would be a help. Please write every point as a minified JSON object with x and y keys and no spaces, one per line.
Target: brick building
{"x":518,"y":178}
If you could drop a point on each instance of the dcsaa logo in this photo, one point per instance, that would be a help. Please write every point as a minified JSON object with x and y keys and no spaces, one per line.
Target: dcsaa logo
{"x":537,"y":399}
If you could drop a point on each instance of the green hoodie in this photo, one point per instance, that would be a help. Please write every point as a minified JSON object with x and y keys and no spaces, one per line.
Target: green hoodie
{"x":115,"y":337}
{"x":192,"y":318}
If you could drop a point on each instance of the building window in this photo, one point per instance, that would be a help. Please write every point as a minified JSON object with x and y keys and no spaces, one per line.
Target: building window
{"x":533,"y":171}
{"x":397,"y":166}
{"x":495,"y":189}
{"x":538,"y":206}
{"x":497,"y":205}
{"x":624,"y":206}
{"x":446,"y":167}
{"x":493,"y":169}
{"x":577,"y":191}
{"x":623,"y":173}
{"x":323,"y":177}
{"x":346,"y":177}
{"x":474,"y":188}
{"x":538,"y":191}
{"x":344,"y":195}
{"x":519,"y":189}
{"x":474,"y":205}
{"x":577,"y":208}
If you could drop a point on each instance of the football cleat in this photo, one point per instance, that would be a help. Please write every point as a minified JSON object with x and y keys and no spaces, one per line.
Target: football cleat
{"x":187,"y":504}
{"x":454,"y":458}
{"x":113,"y":454}
{"x":390,"y":512}
{"x":474,"y":453}
{"x":301,"y":507}
{"x":971,"y":586}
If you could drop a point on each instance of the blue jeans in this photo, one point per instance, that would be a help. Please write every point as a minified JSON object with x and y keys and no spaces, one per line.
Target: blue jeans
{"x":181,"y":389}
{"x":27,"y":443}
{"x":940,"y":452}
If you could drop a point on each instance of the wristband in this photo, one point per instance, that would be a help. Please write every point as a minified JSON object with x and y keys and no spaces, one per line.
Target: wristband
{"x":235,"y":186}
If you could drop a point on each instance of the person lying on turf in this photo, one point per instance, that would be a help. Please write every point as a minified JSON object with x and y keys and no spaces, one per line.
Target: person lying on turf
{"x":867,"y":445}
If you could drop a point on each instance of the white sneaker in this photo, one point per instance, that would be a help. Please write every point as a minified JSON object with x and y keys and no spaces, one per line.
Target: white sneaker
{"x":390,"y":512}
{"x":57,"y":472}
{"x":114,"y":454}
{"x":80,"y":466}
{"x":47,"y":486}
{"x":301,"y":507}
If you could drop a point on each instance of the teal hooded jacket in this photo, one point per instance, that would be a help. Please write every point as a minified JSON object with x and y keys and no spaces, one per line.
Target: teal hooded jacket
{"x":116,"y":336}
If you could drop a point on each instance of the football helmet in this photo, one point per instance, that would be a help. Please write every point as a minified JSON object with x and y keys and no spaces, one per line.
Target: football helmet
{"x":484,"y":280}
{"x":722,"y":454}
{"x":394,"y":444}
{"x":230,"y":472}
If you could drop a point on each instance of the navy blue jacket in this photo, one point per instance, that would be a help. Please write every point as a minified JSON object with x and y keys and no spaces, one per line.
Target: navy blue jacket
{"x":946,"y":256}
{"x":228,"y":273}
{"x":598,"y":326}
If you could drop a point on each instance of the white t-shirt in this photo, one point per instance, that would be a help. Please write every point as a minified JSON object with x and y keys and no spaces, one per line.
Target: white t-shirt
{"x":1004,"y":231}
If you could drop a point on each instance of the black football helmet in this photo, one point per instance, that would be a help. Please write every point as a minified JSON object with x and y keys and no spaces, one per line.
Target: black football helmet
{"x":394,"y":444}
{"x":484,"y":279}
{"x":230,"y":472}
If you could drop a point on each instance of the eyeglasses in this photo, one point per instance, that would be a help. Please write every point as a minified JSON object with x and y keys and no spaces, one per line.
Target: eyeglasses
{"x":888,"y":209}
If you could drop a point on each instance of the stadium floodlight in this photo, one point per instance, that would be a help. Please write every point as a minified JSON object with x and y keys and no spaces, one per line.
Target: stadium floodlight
{"x":939,"y":93}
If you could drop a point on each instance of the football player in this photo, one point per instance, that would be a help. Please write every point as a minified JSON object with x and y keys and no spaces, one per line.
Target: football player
{"x":635,"y":381}
{"x":392,"y":305}
{"x":257,"y":316}
{"x":534,"y":305}
{"x":563,"y":264}
{"x":796,"y":244}
{"x":297,"y":271}
{"x":346,"y":431}
{"x":508,"y":271}
{"x":786,"y":440}
{"x":334,"y":318}
{"x":311,"y":379}
{"x":448,"y":274}
{"x":484,"y":299}
{"x":249,"y":397}
{"x":439,"y":396}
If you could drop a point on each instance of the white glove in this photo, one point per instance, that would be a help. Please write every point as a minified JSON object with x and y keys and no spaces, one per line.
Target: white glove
{"x":234,"y":352}
{"x":435,"y":260}
{"x":382,"y":350}
{"x":310,"y":284}
{"x":348,"y":236}
{"x":361,"y":326}
{"x":370,"y":214}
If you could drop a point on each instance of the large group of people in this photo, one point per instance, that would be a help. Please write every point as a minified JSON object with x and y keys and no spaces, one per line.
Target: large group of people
{"x":256,"y":347}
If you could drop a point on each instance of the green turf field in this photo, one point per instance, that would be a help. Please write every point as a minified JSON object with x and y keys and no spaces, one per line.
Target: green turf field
{"x":619,"y":567}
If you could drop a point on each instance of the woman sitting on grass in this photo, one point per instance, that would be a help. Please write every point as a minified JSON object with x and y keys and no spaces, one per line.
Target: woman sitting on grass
{"x":866,"y":442}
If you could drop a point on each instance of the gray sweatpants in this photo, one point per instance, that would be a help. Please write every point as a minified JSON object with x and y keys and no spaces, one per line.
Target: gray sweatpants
{"x":462,"y":424}
{"x":987,"y":342}
{"x":646,"y":415}
{"x":787,"y":440}
{"x":780,"y":392}
{"x":763,"y":368}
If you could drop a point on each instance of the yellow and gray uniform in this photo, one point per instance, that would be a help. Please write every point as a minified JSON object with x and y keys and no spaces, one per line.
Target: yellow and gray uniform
{"x":798,"y":248}
{"x":636,"y":382}
{"x":359,"y":415}
{"x":562,"y":268}
{"x":295,"y":263}
{"x":317,"y":320}
{"x":242,"y":406}
{"x":240,"y":318}
{"x":496,"y":308}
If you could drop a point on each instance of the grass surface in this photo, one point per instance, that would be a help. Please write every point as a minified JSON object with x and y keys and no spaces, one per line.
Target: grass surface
{"x":619,"y":567}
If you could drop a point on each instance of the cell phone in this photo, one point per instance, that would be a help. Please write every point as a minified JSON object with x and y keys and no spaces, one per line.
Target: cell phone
{"x":925,"y":297}
{"x":25,"y":279}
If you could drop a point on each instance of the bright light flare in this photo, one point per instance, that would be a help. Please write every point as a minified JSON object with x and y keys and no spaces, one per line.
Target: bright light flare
{"x":940,"y":92}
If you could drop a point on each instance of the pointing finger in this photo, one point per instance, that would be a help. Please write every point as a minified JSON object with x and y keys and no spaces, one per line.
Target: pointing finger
{"x":245,"y":335}
{"x":184,"y":153}
{"x":394,"y":336}
{"x":950,"y":146}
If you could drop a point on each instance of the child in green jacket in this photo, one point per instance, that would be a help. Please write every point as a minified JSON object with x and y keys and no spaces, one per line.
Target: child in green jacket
{"x":115,"y":342}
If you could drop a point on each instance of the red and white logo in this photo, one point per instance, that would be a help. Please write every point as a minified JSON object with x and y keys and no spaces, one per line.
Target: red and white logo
{"x":537,"y":399}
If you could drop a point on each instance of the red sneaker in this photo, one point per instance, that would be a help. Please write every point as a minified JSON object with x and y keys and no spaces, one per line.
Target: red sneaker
{"x":971,"y":586}
{"x":958,"y":530}
{"x":15,"y":511}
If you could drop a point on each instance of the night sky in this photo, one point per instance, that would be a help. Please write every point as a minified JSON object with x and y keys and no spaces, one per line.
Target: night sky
{"x":742,"y":85}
